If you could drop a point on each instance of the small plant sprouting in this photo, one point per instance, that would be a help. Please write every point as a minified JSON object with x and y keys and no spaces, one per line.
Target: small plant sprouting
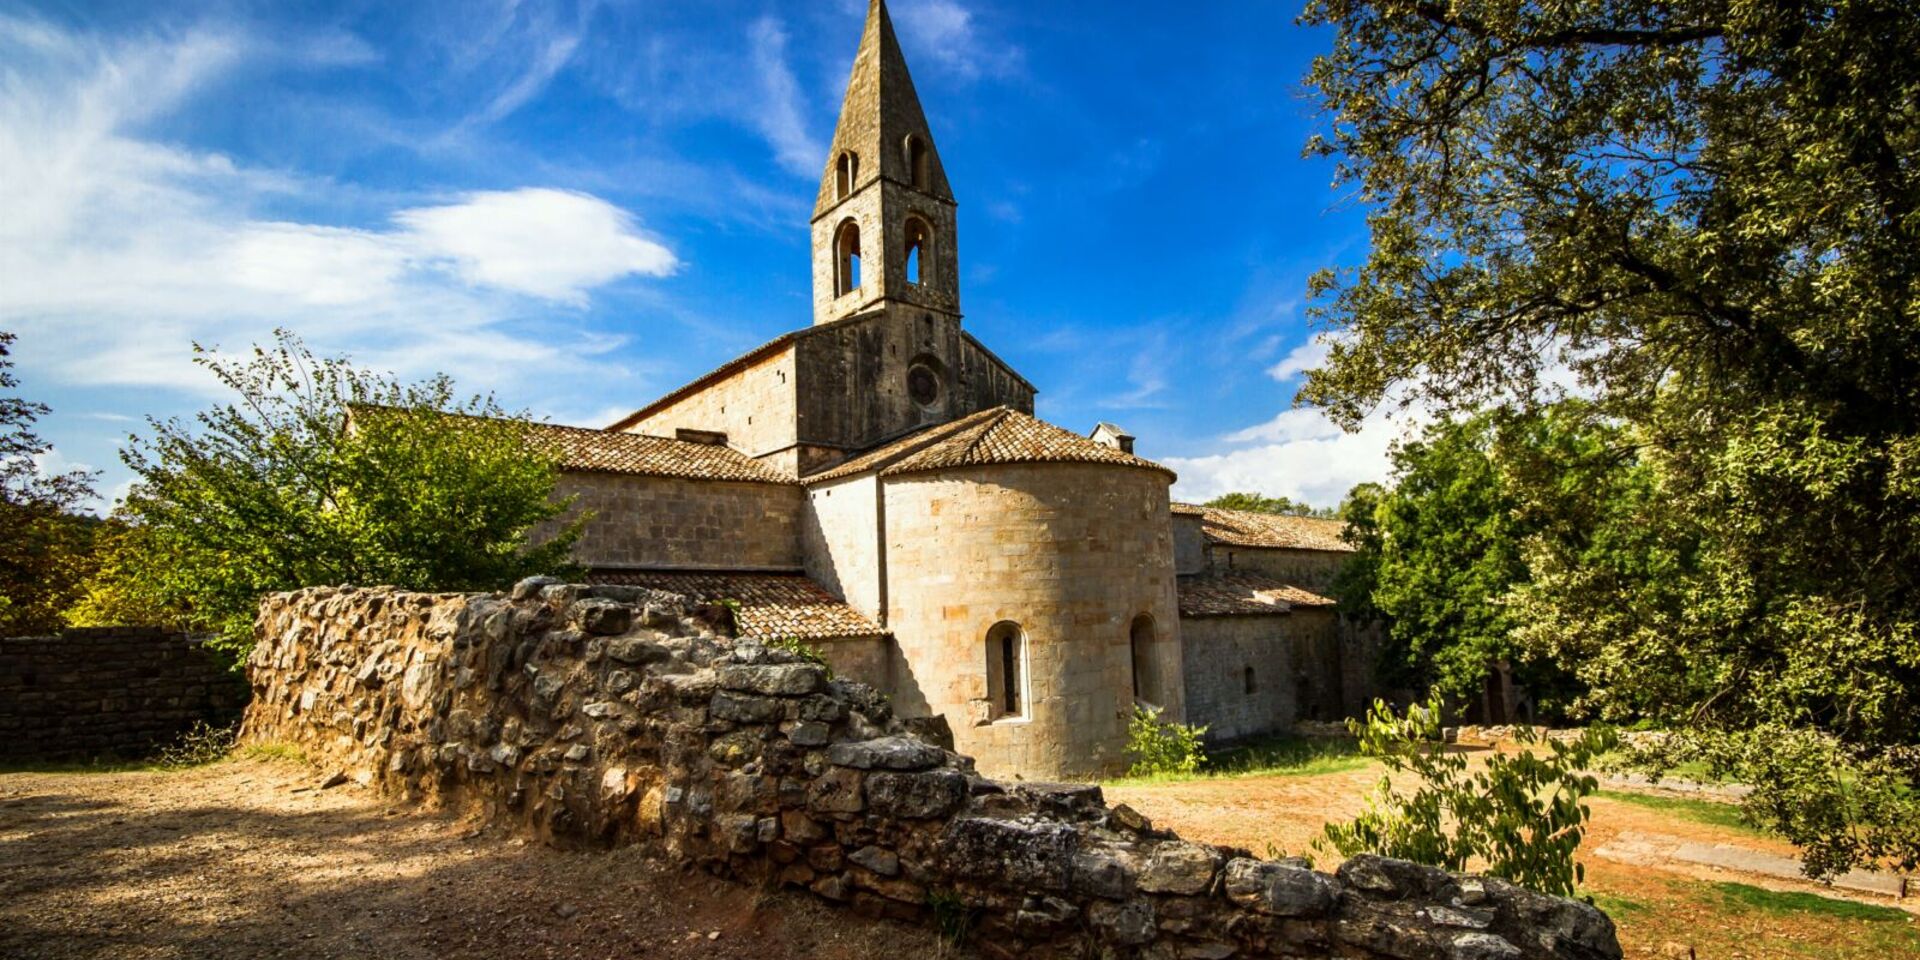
{"x":1159,"y":748}
{"x":952,"y":916}
{"x":200,"y":745}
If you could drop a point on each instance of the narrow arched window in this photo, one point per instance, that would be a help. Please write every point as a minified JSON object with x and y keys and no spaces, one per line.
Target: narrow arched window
{"x":1146,"y":668}
{"x":919,"y":250}
{"x":846,"y":259}
{"x":1006,"y":671}
{"x":916,"y":150}
{"x":846,"y":174}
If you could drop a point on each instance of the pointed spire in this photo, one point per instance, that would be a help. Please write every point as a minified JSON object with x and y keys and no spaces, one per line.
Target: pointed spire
{"x":880,"y":113}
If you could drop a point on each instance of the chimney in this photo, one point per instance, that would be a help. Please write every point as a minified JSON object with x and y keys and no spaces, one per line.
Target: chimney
{"x":1113,"y":436}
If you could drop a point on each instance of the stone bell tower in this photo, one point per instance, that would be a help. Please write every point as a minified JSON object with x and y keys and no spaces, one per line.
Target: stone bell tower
{"x":884,"y":227}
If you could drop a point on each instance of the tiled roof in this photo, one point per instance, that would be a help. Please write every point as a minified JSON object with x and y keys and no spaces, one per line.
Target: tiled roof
{"x":999,"y":435}
{"x":1188,"y":510}
{"x":1240,"y":595}
{"x":1245,"y":528}
{"x":607,"y":451}
{"x":772,"y":605}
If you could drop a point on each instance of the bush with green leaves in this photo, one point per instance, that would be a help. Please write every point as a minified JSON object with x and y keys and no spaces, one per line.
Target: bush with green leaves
{"x":320,"y":473}
{"x":1159,"y":748}
{"x":1519,"y":816}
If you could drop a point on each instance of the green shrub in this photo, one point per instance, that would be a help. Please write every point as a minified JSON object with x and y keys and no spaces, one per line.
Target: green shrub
{"x":1521,"y":815}
{"x":200,"y":745}
{"x":1158,"y":748}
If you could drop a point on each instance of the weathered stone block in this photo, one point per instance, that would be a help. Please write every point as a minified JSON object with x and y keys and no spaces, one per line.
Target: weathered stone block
{"x":1183,"y":868}
{"x":916,"y":796}
{"x":741,"y":708}
{"x":837,"y":791}
{"x":777,"y":679}
{"x":1278,"y":890}
{"x":886,"y":753}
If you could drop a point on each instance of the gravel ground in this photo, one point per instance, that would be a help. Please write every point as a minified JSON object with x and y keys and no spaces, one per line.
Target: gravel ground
{"x":248,"y":859}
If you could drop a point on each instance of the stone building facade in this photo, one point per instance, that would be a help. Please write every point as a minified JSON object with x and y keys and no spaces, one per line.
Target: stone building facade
{"x":875,"y":484}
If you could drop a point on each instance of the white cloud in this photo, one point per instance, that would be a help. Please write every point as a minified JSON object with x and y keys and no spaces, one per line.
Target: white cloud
{"x":1301,"y":455}
{"x":778,"y":111}
{"x":552,"y":54}
{"x":118,"y":251}
{"x":944,"y":33}
{"x":554,"y":244}
{"x":1300,"y":359}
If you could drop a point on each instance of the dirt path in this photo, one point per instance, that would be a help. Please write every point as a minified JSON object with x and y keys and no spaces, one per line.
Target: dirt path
{"x":1661,"y":912}
{"x":246,"y":860}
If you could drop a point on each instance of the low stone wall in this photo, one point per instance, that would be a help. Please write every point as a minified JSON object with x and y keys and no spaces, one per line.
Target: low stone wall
{"x":109,"y":692}
{"x":613,"y":715}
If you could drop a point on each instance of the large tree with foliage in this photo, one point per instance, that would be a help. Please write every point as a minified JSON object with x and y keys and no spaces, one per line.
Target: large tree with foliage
{"x":1441,"y":553}
{"x":1261,"y":503}
{"x":1709,"y":213}
{"x":320,"y":473}
{"x":42,"y":538}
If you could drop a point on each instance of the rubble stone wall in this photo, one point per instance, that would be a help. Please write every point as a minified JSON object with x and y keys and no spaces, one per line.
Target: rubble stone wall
{"x":610,"y":715}
{"x":121,"y":691}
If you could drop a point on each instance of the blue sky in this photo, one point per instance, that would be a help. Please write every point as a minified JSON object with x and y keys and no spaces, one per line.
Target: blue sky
{"x":580,"y":205}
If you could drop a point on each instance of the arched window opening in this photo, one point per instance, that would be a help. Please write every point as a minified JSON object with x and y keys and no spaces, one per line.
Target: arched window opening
{"x":919,"y":249}
{"x":846,"y":255}
{"x":916,"y":161}
{"x":1146,"y":667}
{"x":1251,"y":686}
{"x":846,"y":174}
{"x":1006,"y":671}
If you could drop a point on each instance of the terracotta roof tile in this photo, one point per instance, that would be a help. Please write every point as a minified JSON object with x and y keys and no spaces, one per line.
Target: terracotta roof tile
{"x":1239,"y":595}
{"x":606,"y":451}
{"x":772,"y":605}
{"x":999,"y":435}
{"x":1245,"y":528}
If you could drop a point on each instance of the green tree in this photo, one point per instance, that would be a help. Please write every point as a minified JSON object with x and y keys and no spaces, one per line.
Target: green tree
{"x":1710,"y":214}
{"x":42,"y":535}
{"x":1449,"y":551}
{"x":324,"y":474}
{"x":1261,"y":503}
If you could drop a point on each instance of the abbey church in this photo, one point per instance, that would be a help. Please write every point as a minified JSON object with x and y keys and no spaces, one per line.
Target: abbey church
{"x":876,"y":485}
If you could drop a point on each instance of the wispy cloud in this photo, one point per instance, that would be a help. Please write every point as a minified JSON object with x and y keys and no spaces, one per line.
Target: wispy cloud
{"x":780,"y":111}
{"x":945,"y":34}
{"x":121,"y":250}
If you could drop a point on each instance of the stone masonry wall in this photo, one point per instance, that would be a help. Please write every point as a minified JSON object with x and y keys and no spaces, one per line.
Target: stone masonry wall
{"x":110,"y":692}
{"x":1218,"y":652}
{"x":606,"y":715}
{"x":659,"y":522}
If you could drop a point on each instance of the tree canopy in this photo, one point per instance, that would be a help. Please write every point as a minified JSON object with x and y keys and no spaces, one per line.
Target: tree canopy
{"x":1707,"y":216}
{"x":320,"y":474}
{"x":42,"y":537}
{"x":1261,"y":503}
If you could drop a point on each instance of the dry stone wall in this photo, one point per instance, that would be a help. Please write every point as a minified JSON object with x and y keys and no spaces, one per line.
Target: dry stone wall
{"x":120,"y":691}
{"x":616,"y":715}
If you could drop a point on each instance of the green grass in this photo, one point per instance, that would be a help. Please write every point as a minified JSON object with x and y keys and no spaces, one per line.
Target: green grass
{"x":1742,"y":896}
{"x":1699,"y":811}
{"x":1619,"y":907}
{"x":1272,"y":757}
{"x":89,"y":765}
{"x":273,"y":751}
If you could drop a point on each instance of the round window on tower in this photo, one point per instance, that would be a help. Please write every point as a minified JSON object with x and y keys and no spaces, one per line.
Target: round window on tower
{"x":923,"y":383}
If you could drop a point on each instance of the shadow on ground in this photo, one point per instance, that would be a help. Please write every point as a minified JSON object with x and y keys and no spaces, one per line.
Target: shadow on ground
{"x":247,"y":860}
